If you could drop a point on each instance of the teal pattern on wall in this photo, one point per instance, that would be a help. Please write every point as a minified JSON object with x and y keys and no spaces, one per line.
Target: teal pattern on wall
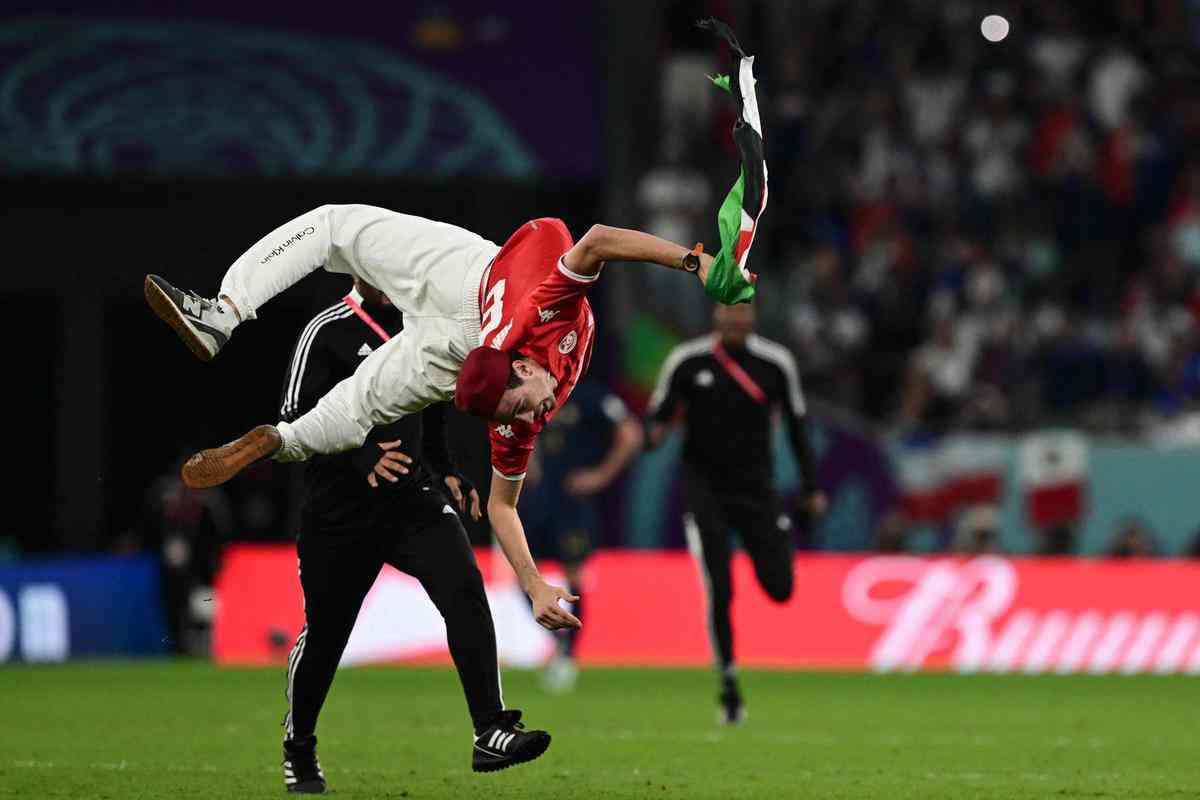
{"x":105,"y":98}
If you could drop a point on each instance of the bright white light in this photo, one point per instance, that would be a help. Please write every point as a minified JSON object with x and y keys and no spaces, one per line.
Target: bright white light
{"x":994,"y":27}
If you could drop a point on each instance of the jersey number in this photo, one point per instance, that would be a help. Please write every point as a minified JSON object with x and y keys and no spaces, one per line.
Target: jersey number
{"x":493,"y":310}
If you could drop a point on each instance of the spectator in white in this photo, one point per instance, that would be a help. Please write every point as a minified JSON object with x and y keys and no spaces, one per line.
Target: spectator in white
{"x":939,"y":375}
{"x":995,"y":140}
{"x":933,"y":93}
{"x":1058,"y":50}
{"x":886,"y":153}
{"x":1116,"y":78}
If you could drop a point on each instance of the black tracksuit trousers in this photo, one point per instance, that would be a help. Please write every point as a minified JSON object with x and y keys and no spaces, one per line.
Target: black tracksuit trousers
{"x":338,"y":569}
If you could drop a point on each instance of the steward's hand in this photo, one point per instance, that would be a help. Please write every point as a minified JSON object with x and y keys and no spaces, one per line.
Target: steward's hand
{"x":389,"y":465}
{"x":462,"y":490}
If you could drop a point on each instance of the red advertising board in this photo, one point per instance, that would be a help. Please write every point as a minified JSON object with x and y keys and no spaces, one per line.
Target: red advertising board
{"x":850,"y":612}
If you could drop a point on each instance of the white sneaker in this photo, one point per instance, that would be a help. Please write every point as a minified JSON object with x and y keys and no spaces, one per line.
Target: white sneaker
{"x":560,"y":675}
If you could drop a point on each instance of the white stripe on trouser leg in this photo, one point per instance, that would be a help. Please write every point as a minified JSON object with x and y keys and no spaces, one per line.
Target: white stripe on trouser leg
{"x":497,"y":552}
{"x":691,"y":530}
{"x":297,"y":648}
{"x":291,"y":692}
{"x":293,"y":663}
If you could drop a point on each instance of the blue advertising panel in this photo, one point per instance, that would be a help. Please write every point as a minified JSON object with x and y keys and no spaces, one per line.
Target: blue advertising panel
{"x":57,"y":609}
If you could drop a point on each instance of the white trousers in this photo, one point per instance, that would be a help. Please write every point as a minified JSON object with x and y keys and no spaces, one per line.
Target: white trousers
{"x":429,"y":270}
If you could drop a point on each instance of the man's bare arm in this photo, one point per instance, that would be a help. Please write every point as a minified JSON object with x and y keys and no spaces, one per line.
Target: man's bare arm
{"x":502,"y":512}
{"x":604,"y":243}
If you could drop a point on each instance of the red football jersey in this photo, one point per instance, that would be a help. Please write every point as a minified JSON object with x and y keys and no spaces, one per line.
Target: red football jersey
{"x":533,"y":304}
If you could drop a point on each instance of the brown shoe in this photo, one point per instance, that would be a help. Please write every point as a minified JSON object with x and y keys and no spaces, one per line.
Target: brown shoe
{"x":219,"y":464}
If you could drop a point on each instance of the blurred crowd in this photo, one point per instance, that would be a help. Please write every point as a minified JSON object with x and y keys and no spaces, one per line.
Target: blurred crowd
{"x":961,"y":234}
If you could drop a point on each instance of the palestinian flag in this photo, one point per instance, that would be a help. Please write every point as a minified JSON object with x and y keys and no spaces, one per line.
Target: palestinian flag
{"x":729,"y":281}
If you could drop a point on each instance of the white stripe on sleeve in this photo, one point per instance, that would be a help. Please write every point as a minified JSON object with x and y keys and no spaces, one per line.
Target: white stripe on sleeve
{"x":782,"y":357}
{"x":300,"y":357}
{"x":675,"y":358}
{"x":575,"y":276}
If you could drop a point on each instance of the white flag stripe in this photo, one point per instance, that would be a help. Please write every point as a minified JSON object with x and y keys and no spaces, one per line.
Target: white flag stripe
{"x":749,"y":98}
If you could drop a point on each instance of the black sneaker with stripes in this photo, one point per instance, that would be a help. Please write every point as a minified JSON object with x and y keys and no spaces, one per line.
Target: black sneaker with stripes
{"x":301,"y":769}
{"x":505,"y":743}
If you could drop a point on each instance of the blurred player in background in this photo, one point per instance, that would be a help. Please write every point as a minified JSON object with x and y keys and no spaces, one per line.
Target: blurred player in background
{"x":727,"y":388}
{"x":376,"y":505}
{"x":592,"y":441}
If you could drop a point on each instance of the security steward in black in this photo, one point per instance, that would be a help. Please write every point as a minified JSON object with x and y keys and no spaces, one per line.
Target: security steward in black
{"x":373,"y":506}
{"x":726,"y":388}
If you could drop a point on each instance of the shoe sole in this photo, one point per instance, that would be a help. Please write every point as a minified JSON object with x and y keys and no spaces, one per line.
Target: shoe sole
{"x":161,"y":305}
{"x":296,"y":789}
{"x":217,"y":465}
{"x":533,"y":751}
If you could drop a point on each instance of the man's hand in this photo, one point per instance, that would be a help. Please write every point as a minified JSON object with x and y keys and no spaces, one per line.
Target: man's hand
{"x":391,"y":462}
{"x":456,"y":485}
{"x":546,"y":610}
{"x":706,"y":261}
{"x":584,"y":482}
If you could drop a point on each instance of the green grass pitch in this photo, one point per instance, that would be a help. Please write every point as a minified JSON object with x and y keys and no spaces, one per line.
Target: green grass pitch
{"x":183,"y":729}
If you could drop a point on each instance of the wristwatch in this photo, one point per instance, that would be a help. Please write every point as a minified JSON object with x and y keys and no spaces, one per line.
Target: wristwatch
{"x":691,"y":261}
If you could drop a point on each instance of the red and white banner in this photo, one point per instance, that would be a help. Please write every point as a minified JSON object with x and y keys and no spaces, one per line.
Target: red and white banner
{"x":959,"y":471}
{"x":851,"y":612}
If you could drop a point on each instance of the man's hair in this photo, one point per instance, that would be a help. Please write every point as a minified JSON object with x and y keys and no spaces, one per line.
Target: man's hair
{"x":514,"y":380}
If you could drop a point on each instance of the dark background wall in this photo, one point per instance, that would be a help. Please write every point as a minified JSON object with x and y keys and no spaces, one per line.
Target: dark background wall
{"x":105,"y":398}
